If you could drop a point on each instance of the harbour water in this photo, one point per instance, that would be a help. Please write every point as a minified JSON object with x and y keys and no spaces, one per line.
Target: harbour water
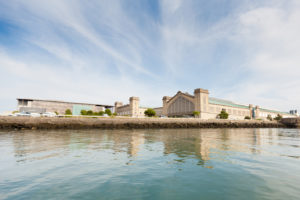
{"x":150,"y":164}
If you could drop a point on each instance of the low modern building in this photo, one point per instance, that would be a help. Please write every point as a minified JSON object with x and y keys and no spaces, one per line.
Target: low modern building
{"x":133,"y":109}
{"x":41,"y":106}
{"x":184,"y":104}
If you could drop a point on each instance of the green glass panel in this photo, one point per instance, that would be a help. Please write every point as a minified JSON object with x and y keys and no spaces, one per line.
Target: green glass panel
{"x":77,"y":109}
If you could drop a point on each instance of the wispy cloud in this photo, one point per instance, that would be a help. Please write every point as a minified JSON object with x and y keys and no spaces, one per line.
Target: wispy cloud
{"x":102,"y":51}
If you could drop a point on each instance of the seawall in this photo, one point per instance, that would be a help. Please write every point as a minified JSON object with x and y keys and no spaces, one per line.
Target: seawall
{"x":7,"y":123}
{"x":291,"y":122}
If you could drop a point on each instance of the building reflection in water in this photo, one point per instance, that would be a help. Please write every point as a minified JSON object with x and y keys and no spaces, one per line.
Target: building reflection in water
{"x":201,"y":145}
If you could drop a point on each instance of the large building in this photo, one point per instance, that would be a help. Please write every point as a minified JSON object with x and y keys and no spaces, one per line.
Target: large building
{"x":180,"y":105}
{"x":184,"y":104}
{"x":41,"y":106}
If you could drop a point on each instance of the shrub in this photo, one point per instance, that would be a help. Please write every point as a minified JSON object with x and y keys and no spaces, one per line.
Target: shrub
{"x":101,"y":113}
{"x":196,"y":113}
{"x":278,"y":117}
{"x":68,"y":112}
{"x":83,"y":112}
{"x":114,"y":114}
{"x":89,"y":112}
{"x":108,"y":112}
{"x":150,"y":112}
{"x":269,"y":117}
{"x":247,"y":117}
{"x":223,"y":115}
{"x":56,"y":113}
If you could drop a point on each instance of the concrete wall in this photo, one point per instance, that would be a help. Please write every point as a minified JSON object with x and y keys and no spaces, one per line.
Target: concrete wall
{"x":158,"y":111}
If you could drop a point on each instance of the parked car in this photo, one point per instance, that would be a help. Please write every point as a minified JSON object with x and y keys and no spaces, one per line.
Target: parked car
{"x":49,"y":114}
{"x":22,"y":114}
{"x":35,"y":115}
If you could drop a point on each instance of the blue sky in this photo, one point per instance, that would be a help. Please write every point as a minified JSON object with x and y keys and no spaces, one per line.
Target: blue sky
{"x":105,"y":51}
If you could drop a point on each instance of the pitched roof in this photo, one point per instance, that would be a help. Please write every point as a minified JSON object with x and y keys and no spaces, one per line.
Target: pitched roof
{"x":274,"y":111}
{"x":223,"y":102}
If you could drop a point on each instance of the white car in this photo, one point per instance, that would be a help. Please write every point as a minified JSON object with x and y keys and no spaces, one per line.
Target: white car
{"x":35,"y":115}
{"x":49,"y":114}
{"x":22,"y":114}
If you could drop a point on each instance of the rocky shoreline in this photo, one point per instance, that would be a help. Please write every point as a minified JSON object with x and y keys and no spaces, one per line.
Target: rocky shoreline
{"x":20,"y":123}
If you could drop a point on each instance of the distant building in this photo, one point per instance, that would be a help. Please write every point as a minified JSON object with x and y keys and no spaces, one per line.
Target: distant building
{"x":294,"y":112}
{"x":41,"y":106}
{"x":184,"y":104}
{"x":133,"y":109}
{"x":158,"y":111}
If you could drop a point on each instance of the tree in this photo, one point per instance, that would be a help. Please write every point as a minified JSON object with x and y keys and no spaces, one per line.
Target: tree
{"x":196,"y":113}
{"x":68,"y":112}
{"x":278,"y":117}
{"x":247,"y":117}
{"x":223,"y":115}
{"x":83,"y":112}
{"x":150,"y":112}
{"x":269,"y":117}
{"x":108,"y":112}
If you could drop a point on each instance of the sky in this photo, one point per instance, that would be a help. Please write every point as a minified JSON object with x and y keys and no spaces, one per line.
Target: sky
{"x":102,"y":51}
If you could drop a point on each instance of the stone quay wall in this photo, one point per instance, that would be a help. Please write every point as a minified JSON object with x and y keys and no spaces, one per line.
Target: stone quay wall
{"x":291,"y":122}
{"x":16,"y":123}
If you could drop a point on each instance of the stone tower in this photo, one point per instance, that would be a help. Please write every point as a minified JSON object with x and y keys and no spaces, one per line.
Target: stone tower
{"x":134,"y":103}
{"x":251,"y":111}
{"x":201,"y":102}
{"x":118,"y":104}
{"x":165,"y":109}
{"x":257,"y":112}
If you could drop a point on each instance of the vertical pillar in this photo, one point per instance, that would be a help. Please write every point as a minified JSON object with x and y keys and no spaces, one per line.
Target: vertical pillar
{"x":117,"y":104}
{"x":165,"y":105}
{"x":251,"y":111}
{"x":201,"y":102}
{"x":256,"y":112}
{"x":134,"y":106}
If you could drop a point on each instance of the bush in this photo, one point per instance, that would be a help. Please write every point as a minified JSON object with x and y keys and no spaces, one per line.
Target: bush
{"x":56,"y":113}
{"x":108,"y":112}
{"x":114,"y":114}
{"x":196,"y":113}
{"x":68,"y":112}
{"x":223,"y":115}
{"x":247,"y":117}
{"x":270,"y":117}
{"x":89,"y":112}
{"x":150,"y":112}
{"x":278,"y":117}
{"x":83,"y":112}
